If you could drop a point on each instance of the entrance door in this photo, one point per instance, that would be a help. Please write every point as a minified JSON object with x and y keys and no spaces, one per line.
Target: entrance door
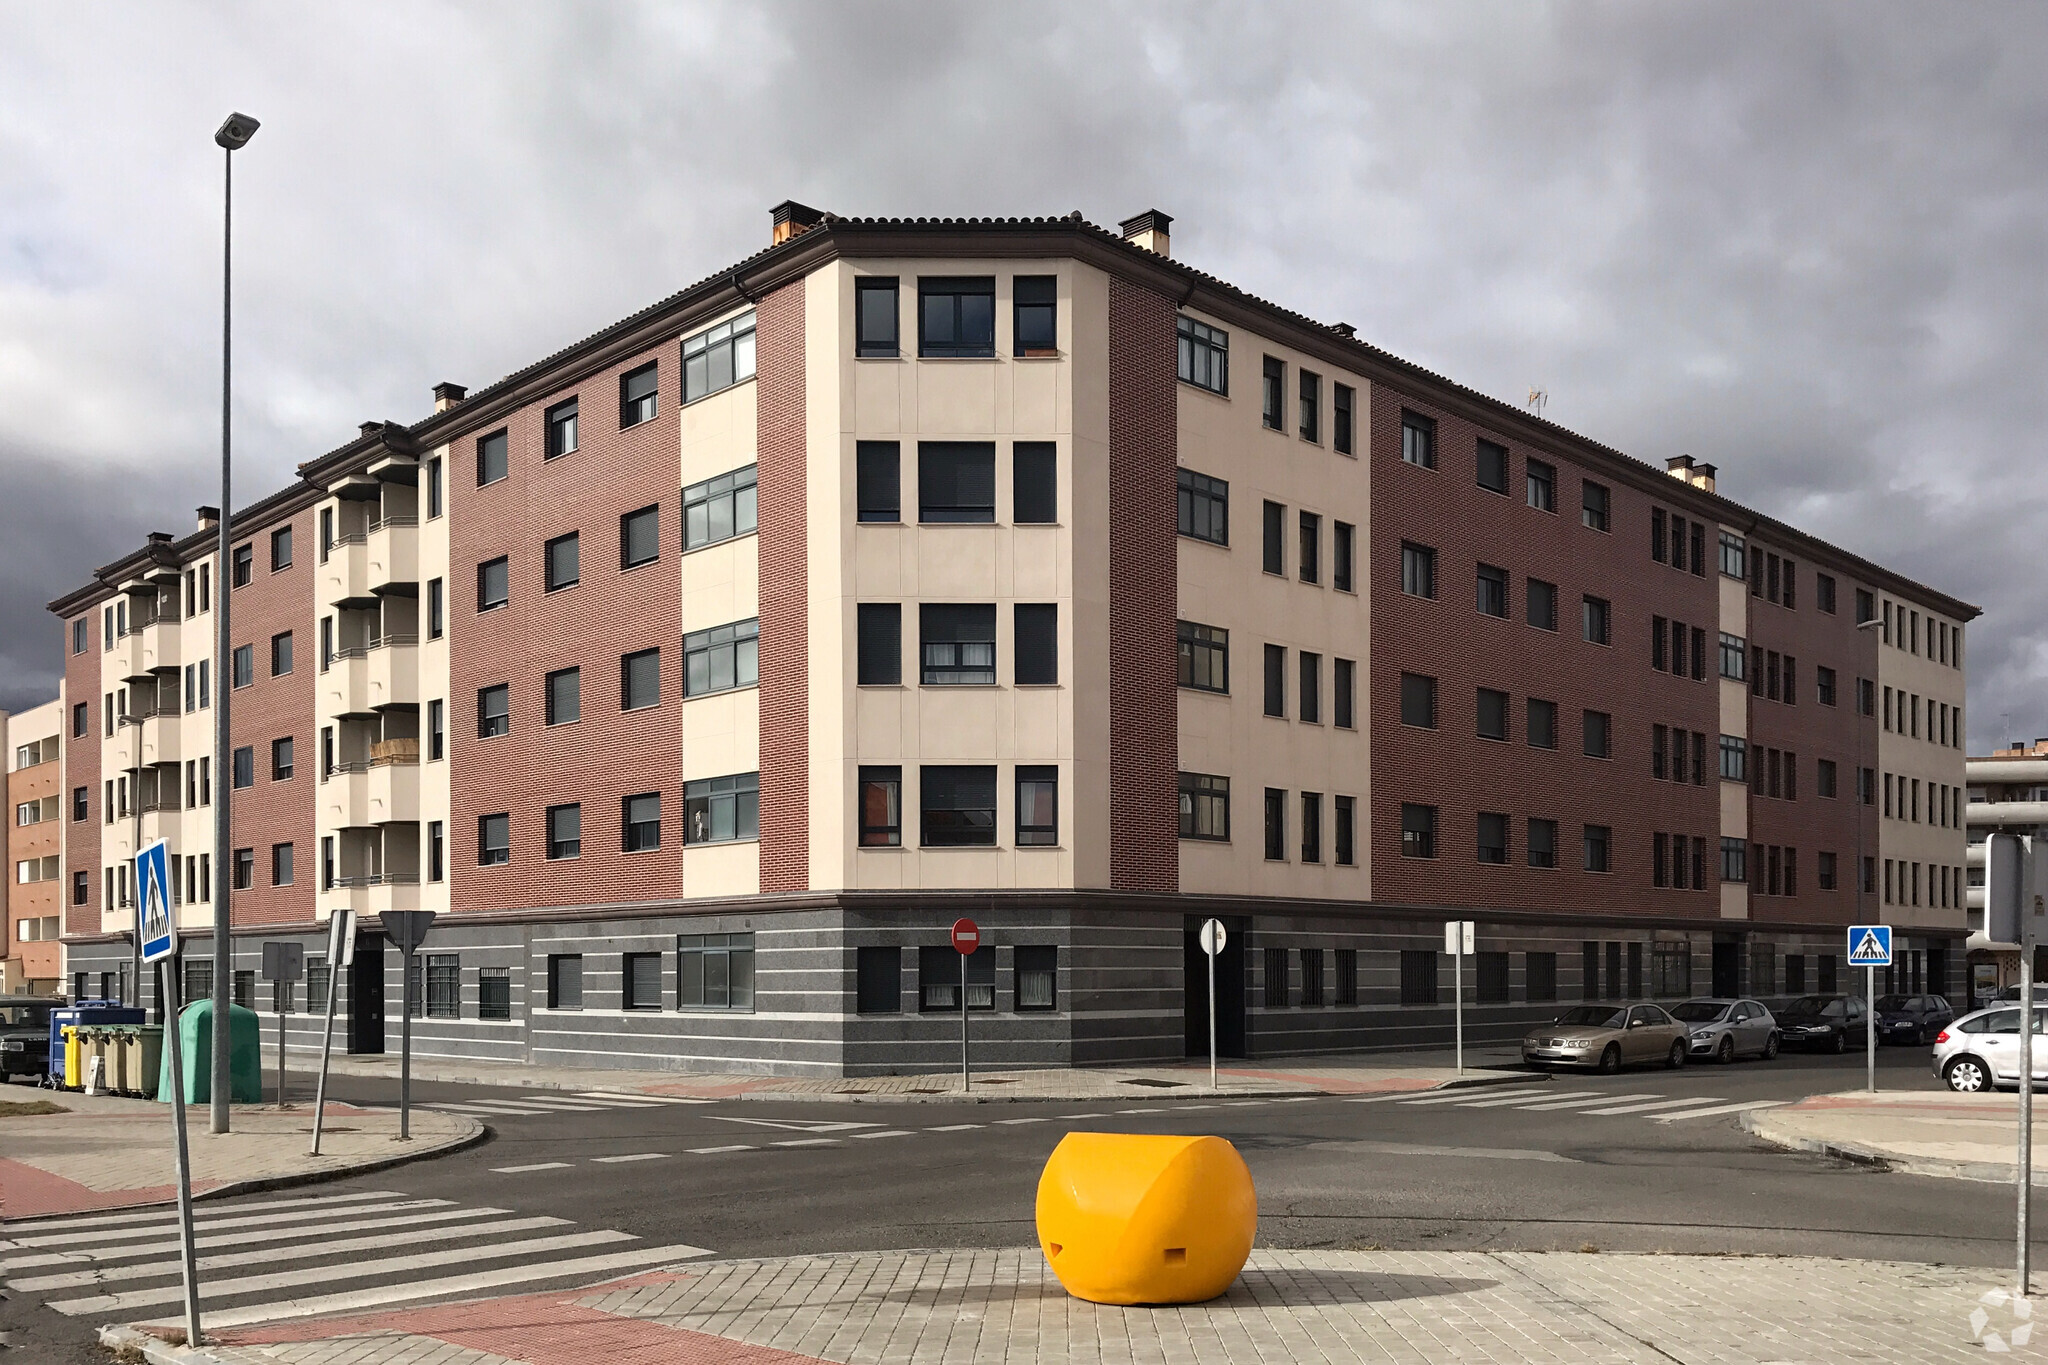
{"x":366,"y":995}
{"x":1229,"y":988}
{"x":1727,"y":968}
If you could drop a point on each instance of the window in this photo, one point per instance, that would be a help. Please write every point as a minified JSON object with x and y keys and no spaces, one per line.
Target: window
{"x":1866,"y":697}
{"x":1493,"y":837}
{"x":958,"y":806}
{"x":280,"y":864}
{"x":1346,"y":810}
{"x":243,"y":564}
{"x":1418,"y":570}
{"x":637,"y":395}
{"x":1035,"y":316}
{"x":1418,"y":440}
{"x":1343,"y":423}
{"x":1540,"y":604}
{"x":1037,"y":645}
{"x":939,"y":974}
{"x":640,"y":680}
{"x":1491,"y":972}
{"x":280,"y":654}
{"x":1598,"y":843}
{"x":640,"y":822}
{"x":881,"y":807}
{"x":493,"y":839}
{"x":1418,"y":976}
{"x":81,"y":719}
{"x":561,"y":430}
{"x":1493,"y":591}
{"x":956,"y":481}
{"x":245,"y":869}
{"x":1735,"y":758}
{"x":1493,"y":713}
{"x":493,"y":583}
{"x":1596,"y":620}
{"x":1202,"y":656}
{"x":1311,"y":548}
{"x":1274,"y":559}
{"x":1204,"y":806}
{"x":1276,"y":680}
{"x":957,"y":645}
{"x":1204,"y":507}
{"x":1204,"y":355}
{"x":1866,"y":605}
{"x":433,"y":488}
{"x":1734,"y":859}
{"x":565,"y":981}
{"x":1311,"y":688}
{"x":956,"y":317}
{"x":563,"y":557}
{"x":640,"y":980}
{"x":1824,"y":685}
{"x":437,"y":624}
{"x":1734,"y":555}
{"x":1418,"y":700}
{"x":1311,"y":406}
{"x":436,"y":850}
{"x":281,"y":548}
{"x":78,"y":634}
{"x":721,"y":508}
{"x":1493,"y":467}
{"x":1343,"y":687}
{"x":1273,"y":393}
{"x":1670,"y":968}
{"x":718,"y":358}
{"x":436,"y":729}
{"x":1036,"y":971}
{"x":1542,"y":485}
{"x":1593,"y":502}
{"x":244,"y":660}
{"x":1034,"y":483}
{"x":878,"y":476}
{"x":878,"y":980}
{"x":1276,"y":825}
{"x":493,"y":458}
{"x":1542,"y":724}
{"x":1311,"y":827}
{"x":564,"y":689}
{"x":1734,"y":657}
{"x":879,"y":644}
{"x":722,"y":658}
{"x":1825,"y":778}
{"x":875,"y":318}
{"x":493,"y":710}
{"x":1418,"y":831}
{"x":1342,"y":550}
{"x":1596,"y":731}
{"x":81,"y":803}
{"x":1827,"y":873}
{"x":244,"y":760}
{"x":1038,"y":805}
{"x":281,"y":759}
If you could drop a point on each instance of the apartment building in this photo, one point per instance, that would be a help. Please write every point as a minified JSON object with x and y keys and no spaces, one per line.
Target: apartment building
{"x":700,"y":674}
{"x":2008,"y":791}
{"x":31,"y":901}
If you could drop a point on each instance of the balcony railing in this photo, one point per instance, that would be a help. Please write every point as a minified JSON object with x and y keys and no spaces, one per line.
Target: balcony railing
{"x":350,"y":765}
{"x":362,"y":651}
{"x":368,"y":879}
{"x":394,"y":519}
{"x":349,"y":538}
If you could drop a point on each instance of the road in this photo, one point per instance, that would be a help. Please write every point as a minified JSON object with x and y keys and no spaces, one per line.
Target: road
{"x":572,"y":1187}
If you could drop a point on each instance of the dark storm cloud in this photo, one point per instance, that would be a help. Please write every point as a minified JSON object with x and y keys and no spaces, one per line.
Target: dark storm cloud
{"x":1802,"y":243}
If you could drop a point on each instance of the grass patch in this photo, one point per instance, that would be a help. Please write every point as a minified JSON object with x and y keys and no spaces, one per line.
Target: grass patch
{"x":21,"y":1109}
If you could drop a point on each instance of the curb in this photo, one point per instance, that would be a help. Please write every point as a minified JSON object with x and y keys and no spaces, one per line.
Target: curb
{"x":154,"y":1349}
{"x":461,"y":1141}
{"x":1879,"y":1159}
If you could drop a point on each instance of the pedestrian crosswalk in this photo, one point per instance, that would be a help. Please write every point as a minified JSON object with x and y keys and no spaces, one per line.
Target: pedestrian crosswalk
{"x":287,"y":1258}
{"x":1598,"y":1103}
{"x":558,"y":1102}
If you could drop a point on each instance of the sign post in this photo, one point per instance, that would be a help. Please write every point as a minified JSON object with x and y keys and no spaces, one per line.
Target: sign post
{"x":341,"y":952}
{"x":966,"y":940}
{"x":1213,"y":939}
{"x":408,"y":928}
{"x":1458,"y":939}
{"x":159,"y":940}
{"x":1870,"y":947}
{"x":283,"y":964}
{"x":2014,"y":886}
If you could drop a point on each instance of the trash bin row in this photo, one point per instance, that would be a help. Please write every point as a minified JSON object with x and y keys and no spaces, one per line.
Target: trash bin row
{"x":129,"y":1056}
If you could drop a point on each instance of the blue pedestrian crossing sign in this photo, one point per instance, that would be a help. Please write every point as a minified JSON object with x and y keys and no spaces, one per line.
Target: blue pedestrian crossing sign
{"x":153,"y":891}
{"x":1870,"y":945}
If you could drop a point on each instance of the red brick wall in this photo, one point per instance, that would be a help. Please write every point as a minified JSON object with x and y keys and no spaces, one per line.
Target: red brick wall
{"x":1452,"y":768}
{"x":1812,"y":823}
{"x":82,"y":769}
{"x":785,"y":592}
{"x":270,"y":708}
{"x":1143,"y":711}
{"x":610,"y":753}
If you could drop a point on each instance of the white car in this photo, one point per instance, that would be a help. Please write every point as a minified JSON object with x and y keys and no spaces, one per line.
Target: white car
{"x":1981,"y":1051}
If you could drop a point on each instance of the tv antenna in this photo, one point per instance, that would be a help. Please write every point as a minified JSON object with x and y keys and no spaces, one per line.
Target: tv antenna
{"x":1538,"y":400}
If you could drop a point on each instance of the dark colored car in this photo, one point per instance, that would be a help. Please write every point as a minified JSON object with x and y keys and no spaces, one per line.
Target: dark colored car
{"x":1912,"y":1019}
{"x":25,"y":1036}
{"x":1822,"y":1023}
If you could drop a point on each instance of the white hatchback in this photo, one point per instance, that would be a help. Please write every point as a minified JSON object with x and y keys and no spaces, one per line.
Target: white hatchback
{"x":1981,"y":1051}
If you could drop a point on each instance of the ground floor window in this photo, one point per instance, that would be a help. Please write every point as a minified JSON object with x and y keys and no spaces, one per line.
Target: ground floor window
{"x":938,"y":979}
{"x":444,"y":986}
{"x":1037,"y":972}
{"x":715,"y":972}
{"x":565,"y":981}
{"x":1418,"y":976}
{"x":1670,"y":969}
{"x":878,"y":980}
{"x":642,"y":980}
{"x":1492,"y":971}
{"x":1539,"y":976}
{"x":494,"y":993}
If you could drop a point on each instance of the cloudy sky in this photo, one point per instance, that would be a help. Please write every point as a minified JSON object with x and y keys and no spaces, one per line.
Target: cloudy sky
{"x":1805,"y":243}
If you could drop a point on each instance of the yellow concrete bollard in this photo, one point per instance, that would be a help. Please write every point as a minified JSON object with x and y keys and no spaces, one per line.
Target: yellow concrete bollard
{"x":1143,"y":1218}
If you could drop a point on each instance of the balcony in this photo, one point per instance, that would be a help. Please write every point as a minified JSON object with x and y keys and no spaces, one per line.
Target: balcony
{"x":163,"y":740}
{"x":379,"y":790}
{"x":382,"y":557}
{"x":383,"y":672}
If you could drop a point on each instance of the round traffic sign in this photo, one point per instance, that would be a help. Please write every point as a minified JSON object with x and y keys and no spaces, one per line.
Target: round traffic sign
{"x":1213,"y":936}
{"x":966,"y":936}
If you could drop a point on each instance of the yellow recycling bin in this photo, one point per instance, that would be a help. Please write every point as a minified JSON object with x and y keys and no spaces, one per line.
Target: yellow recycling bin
{"x":1139,"y":1218}
{"x":74,"y":1065}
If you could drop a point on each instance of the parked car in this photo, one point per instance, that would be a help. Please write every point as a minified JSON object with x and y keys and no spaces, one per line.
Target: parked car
{"x":1822,"y":1022}
{"x":1981,"y":1050}
{"x":25,"y":1036}
{"x":1606,"y":1037}
{"x":1913,"y":1019}
{"x":1727,"y":1029}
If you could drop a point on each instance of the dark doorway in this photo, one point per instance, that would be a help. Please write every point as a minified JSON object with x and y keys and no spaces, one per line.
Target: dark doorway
{"x":1727,"y":967}
{"x":1229,"y":988}
{"x":366,"y":995}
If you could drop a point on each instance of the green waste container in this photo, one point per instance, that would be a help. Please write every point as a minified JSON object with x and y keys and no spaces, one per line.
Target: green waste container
{"x":145,"y":1059}
{"x":195,"y":1039}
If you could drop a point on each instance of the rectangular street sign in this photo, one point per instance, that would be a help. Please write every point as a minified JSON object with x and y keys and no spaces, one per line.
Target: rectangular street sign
{"x":153,"y":885}
{"x":283,"y":961}
{"x":1459,"y":936}
{"x":1870,"y":945}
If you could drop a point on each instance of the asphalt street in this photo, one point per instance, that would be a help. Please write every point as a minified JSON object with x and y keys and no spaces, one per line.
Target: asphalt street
{"x":573,"y":1186}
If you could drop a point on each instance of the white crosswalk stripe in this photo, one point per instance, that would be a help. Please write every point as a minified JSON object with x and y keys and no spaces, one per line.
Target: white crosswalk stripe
{"x":1718,"y":1109}
{"x":558,"y":1102}
{"x":1653,"y":1104}
{"x":127,"y":1264}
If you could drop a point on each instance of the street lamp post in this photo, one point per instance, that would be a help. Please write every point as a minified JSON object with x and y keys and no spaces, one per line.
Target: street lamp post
{"x":233,"y":135}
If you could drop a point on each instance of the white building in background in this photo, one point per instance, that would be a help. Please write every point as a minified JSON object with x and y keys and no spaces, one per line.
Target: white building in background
{"x":2008,"y":791}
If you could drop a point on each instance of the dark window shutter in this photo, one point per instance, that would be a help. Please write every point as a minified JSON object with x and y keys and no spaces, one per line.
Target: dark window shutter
{"x":1037,"y":647}
{"x":881,"y":643}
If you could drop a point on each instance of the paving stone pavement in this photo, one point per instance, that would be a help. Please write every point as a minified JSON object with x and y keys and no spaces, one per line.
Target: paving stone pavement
{"x":1003,"y":1307}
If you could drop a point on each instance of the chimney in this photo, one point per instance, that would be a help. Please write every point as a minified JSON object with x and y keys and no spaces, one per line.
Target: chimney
{"x":1148,"y":230}
{"x":369,"y":429}
{"x":792,"y":218}
{"x":447,"y":395}
{"x":209,"y":518}
{"x":1344,"y":329}
{"x":1700,"y":476}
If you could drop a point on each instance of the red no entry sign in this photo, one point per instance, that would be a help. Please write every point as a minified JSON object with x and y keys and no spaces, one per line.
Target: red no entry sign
{"x":966,"y":936}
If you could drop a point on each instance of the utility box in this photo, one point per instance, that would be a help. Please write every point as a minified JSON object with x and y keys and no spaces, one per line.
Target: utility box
{"x":195,"y":1039}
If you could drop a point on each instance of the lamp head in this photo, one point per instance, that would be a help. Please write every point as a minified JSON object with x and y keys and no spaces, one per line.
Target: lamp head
{"x":236,"y":132}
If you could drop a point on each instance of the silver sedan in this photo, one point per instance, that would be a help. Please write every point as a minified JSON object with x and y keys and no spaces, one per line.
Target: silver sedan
{"x":1725,"y":1029}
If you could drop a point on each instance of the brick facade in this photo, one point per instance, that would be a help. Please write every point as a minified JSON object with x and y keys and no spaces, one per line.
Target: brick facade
{"x":785,"y":593}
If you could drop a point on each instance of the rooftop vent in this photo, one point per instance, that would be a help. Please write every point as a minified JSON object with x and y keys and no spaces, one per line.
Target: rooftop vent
{"x":1344,"y":329}
{"x":447,"y":395}
{"x":1148,"y":230}
{"x":792,"y":218}
{"x":209,"y":517}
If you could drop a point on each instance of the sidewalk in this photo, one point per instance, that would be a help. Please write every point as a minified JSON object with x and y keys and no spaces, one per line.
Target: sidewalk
{"x":1345,"y":1075}
{"x":970,"y":1307}
{"x":106,"y":1152}
{"x":1924,"y":1132}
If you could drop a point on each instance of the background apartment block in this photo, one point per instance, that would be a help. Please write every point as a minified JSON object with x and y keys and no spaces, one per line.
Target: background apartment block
{"x":31,"y":900}
{"x":2008,"y":791}
{"x":702,"y":673}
